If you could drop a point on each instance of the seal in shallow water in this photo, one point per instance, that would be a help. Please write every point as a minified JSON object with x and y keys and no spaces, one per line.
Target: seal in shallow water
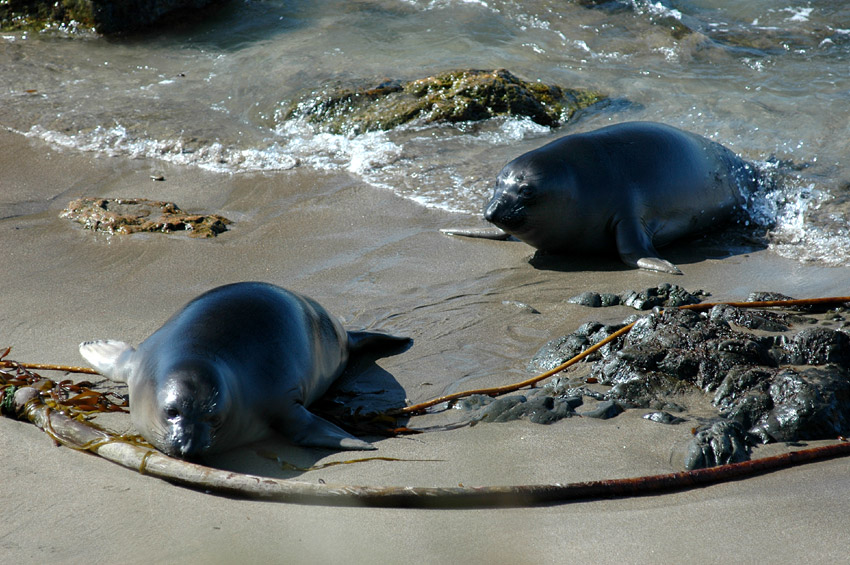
{"x":631,"y":186}
{"x":233,"y":364}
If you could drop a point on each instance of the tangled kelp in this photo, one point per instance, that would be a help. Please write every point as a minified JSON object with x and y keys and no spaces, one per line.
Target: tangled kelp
{"x":132,"y":215}
{"x":79,"y":398}
{"x":26,"y":402}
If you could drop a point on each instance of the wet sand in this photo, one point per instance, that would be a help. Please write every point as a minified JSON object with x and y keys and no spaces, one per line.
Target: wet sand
{"x":377,"y":261}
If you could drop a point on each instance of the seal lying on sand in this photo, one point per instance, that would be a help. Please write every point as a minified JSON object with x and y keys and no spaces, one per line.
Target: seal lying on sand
{"x":631,"y":186}
{"x":233,"y":364}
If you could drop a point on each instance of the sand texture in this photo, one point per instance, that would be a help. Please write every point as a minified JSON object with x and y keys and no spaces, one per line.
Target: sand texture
{"x":377,"y":261}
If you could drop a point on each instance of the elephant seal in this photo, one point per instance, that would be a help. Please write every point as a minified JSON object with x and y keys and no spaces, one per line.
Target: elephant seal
{"x":631,"y":186}
{"x":235,"y":363}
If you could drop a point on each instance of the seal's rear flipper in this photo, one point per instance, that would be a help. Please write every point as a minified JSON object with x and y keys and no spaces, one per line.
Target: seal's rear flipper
{"x":658,"y":264}
{"x":360,"y":340}
{"x":104,"y":355}
{"x":481,"y":233}
{"x":634,"y":244}
{"x":305,"y":428}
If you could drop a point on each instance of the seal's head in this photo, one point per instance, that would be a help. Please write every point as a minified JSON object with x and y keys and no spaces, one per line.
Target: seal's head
{"x":189,"y":409}
{"x":525,"y":198}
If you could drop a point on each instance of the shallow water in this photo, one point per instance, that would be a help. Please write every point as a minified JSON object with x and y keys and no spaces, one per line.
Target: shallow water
{"x":768,"y":79}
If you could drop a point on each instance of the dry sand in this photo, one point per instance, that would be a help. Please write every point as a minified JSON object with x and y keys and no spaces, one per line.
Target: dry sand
{"x":375,"y":260}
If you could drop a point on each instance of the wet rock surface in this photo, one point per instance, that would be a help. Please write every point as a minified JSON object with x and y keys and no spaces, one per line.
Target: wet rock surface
{"x":131,"y":215}
{"x":785,"y":387}
{"x":101,"y":15}
{"x":665,"y":294}
{"x":720,"y":443}
{"x":451,"y":97}
{"x":560,"y":350}
{"x":538,"y":406}
{"x":770,"y":376}
{"x":663,"y":417}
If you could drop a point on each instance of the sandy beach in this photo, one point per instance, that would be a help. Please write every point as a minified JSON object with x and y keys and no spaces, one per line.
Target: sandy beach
{"x":377,"y":261}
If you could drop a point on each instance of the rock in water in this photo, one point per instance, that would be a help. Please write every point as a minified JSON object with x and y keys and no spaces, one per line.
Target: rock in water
{"x":451,"y":97}
{"x":101,"y":15}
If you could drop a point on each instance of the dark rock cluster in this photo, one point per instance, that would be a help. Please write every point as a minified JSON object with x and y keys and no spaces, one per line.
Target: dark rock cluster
{"x":665,"y":294}
{"x":785,"y":386}
{"x":684,"y":348}
{"x":550,"y":403}
{"x":771,"y":376}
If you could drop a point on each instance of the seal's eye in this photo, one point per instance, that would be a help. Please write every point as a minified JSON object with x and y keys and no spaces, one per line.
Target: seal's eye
{"x":172,"y":413}
{"x":525,"y":191}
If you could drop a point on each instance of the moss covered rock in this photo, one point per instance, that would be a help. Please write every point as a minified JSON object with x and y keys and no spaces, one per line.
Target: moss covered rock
{"x":101,"y":15}
{"x":451,"y":97}
{"x":131,"y":215}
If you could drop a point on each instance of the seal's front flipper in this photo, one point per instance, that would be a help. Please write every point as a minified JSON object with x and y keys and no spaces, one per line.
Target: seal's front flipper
{"x":634,"y":243}
{"x":305,"y":428}
{"x":481,"y":233}
{"x":107,"y":356}
{"x":360,"y":340}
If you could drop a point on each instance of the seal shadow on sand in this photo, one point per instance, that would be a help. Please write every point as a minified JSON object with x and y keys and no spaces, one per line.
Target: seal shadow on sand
{"x":728,"y":241}
{"x":363,"y":388}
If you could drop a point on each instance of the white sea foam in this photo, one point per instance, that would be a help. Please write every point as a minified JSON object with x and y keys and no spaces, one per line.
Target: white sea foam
{"x":786,"y":209}
{"x":115,"y":140}
{"x":656,"y":9}
{"x":359,"y":154}
{"x":798,"y":14}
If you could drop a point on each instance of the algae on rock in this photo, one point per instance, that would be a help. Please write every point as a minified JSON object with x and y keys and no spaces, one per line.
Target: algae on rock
{"x":451,"y":97}
{"x":101,"y":15}
{"x":130,"y":215}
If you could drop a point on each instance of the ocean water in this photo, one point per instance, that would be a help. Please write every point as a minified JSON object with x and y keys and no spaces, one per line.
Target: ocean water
{"x":769,"y":79}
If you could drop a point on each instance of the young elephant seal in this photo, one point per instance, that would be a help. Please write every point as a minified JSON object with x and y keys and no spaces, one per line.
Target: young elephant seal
{"x":629,"y":187}
{"x":233,"y":364}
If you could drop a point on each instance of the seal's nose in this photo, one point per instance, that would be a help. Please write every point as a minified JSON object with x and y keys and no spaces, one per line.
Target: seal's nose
{"x":187,"y":449}
{"x":490,"y":210}
{"x":188,"y":441}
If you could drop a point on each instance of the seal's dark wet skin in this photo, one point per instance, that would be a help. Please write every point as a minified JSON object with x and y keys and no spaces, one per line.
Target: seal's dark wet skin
{"x":628,"y":187}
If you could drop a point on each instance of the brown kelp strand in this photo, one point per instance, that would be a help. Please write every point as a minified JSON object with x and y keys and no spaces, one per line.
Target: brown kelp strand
{"x":82,"y":435}
{"x":286,"y":466}
{"x":24,"y":394}
{"x":790,"y":303}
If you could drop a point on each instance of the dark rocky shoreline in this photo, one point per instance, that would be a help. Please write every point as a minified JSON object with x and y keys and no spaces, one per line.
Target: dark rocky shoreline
{"x":771,"y":376}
